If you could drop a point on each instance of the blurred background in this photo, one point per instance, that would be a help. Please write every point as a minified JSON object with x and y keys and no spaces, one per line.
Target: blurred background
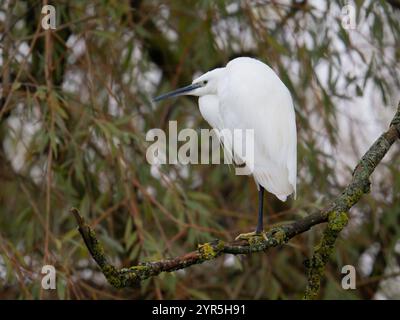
{"x":75,"y":106}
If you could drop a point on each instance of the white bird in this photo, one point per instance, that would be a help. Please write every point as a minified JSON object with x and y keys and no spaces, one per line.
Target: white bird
{"x":247,"y":94}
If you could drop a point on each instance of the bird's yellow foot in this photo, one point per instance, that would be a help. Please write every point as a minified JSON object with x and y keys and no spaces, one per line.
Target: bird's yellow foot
{"x":251,"y":235}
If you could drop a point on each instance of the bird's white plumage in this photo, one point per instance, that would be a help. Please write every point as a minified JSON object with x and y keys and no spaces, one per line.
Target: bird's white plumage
{"x":247,"y":94}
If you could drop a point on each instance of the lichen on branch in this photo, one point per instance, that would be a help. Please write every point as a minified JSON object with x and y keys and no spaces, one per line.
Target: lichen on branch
{"x":316,"y":265}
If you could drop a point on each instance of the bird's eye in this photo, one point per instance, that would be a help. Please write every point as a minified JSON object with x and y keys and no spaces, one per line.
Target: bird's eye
{"x":205,"y":82}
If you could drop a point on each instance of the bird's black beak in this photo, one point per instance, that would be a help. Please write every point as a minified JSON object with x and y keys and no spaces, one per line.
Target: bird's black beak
{"x":177,"y":92}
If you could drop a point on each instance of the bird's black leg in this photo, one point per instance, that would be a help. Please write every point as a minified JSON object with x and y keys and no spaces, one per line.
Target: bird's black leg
{"x":260,"y":226}
{"x":259,"y":229}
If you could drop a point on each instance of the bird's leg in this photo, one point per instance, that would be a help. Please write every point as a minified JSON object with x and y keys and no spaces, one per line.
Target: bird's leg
{"x":260,"y":227}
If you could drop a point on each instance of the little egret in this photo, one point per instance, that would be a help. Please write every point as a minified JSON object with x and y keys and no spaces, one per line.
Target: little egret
{"x":247,"y":94}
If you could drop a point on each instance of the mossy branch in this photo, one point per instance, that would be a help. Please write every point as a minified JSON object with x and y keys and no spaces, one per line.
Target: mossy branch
{"x":126,"y":277}
{"x":335,"y":214}
{"x":338,"y":209}
{"x":316,"y":265}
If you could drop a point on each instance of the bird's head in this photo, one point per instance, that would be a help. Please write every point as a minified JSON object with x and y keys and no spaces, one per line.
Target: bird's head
{"x":201,"y":86}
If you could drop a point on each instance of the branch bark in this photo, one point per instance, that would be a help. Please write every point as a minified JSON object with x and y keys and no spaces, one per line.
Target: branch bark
{"x":335,"y":213}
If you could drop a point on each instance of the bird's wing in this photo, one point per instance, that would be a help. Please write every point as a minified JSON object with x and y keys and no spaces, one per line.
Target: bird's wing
{"x":253,"y":97}
{"x":210,"y":110}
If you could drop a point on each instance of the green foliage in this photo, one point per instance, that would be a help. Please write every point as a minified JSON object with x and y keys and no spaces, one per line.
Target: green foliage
{"x":76,"y":138}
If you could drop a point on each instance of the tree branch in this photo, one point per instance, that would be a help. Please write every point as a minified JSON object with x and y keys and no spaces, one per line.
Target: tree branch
{"x":335,"y":214}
